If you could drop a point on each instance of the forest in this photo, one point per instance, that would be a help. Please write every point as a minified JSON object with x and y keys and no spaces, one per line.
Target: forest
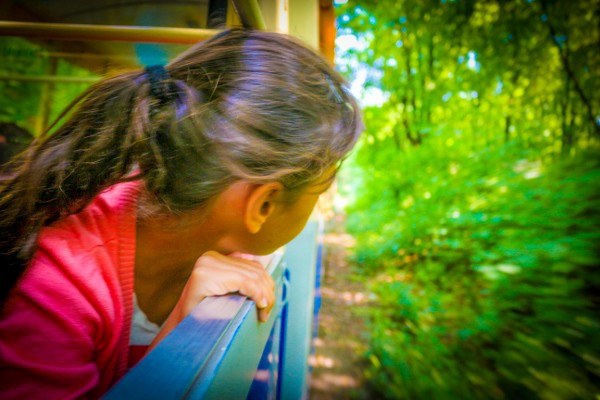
{"x":474,"y":195}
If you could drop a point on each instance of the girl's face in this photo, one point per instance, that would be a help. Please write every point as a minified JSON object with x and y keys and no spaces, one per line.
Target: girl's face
{"x":288,"y":219}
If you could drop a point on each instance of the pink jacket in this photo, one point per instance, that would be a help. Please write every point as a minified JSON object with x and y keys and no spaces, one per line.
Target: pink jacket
{"x":64,"y":332}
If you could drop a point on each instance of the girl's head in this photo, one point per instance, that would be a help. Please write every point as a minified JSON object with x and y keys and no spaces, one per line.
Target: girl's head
{"x":244,"y":106}
{"x":249,"y":106}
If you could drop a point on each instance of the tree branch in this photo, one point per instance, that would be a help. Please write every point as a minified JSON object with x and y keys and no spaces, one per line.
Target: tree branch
{"x":569,"y":70}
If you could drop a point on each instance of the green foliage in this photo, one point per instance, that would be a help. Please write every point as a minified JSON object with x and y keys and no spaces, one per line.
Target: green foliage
{"x":487,"y":281}
{"x":19,"y":100}
{"x":476,"y":197}
{"x":32,"y":104}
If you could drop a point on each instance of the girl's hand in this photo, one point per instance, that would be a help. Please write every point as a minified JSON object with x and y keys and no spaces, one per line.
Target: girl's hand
{"x":215,"y":274}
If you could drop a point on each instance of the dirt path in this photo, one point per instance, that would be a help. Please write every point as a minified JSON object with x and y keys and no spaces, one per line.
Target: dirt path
{"x":336,"y":371}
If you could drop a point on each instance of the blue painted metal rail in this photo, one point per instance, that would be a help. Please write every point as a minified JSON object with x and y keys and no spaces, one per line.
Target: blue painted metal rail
{"x":221,"y":351}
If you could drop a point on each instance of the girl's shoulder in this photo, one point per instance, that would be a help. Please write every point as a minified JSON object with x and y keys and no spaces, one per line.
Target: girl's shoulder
{"x":92,"y":249}
{"x":107,"y":220}
{"x":67,"y":316}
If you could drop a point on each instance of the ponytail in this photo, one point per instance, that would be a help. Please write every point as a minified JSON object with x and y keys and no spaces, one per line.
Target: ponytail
{"x":62,"y":172}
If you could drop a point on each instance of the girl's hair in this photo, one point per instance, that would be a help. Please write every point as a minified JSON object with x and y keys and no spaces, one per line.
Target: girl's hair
{"x":249,"y":105}
{"x":13,"y":140}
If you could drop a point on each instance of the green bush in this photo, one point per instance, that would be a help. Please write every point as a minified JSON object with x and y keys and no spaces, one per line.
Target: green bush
{"x":476,"y":195}
{"x":486,"y":275}
{"x":24,"y":102}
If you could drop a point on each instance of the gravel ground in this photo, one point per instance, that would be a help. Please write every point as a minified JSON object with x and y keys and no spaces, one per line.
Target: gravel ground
{"x":337,"y":373}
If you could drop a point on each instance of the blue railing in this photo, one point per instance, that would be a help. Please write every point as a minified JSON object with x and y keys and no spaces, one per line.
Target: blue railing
{"x":221,"y":351}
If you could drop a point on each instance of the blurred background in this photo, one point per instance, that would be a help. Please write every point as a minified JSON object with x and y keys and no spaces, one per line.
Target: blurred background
{"x":469,"y":213}
{"x":462,"y":244}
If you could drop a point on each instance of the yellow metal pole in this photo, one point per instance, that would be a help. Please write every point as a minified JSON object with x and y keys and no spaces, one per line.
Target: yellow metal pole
{"x":250,"y":14}
{"x":105,"y":32}
{"x":47,"y":78}
{"x":47,"y":95}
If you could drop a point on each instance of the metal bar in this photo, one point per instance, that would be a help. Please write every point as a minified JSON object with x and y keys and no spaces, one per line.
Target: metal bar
{"x":138,"y":34}
{"x":211,"y":354}
{"x":47,"y":95}
{"x":232,"y":376}
{"x":300,"y":259}
{"x":48,"y":78}
{"x":250,"y":14}
{"x":112,"y":57}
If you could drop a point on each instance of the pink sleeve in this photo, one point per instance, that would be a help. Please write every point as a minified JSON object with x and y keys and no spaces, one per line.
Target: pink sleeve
{"x":48,"y":335}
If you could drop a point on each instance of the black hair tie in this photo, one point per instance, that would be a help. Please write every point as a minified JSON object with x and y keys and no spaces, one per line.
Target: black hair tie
{"x":160,"y":88}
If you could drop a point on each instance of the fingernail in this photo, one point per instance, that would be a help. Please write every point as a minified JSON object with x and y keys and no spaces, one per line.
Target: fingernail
{"x":263,"y":303}
{"x":264,"y":317}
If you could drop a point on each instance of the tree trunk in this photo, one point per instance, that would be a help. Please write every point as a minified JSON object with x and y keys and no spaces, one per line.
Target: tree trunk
{"x":564,"y":58}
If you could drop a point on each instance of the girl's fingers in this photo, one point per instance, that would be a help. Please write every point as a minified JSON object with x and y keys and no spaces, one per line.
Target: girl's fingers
{"x":265,"y":291}
{"x":253,"y":269}
{"x":251,"y":263}
{"x":263,"y":297}
{"x":263,"y":315}
{"x":217,"y":274}
{"x":258,"y":276}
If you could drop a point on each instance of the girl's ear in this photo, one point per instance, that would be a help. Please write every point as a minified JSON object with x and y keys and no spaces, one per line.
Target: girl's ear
{"x":260,"y":205}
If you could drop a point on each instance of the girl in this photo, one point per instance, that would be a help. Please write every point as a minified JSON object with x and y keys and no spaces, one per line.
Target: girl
{"x":132,"y":209}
